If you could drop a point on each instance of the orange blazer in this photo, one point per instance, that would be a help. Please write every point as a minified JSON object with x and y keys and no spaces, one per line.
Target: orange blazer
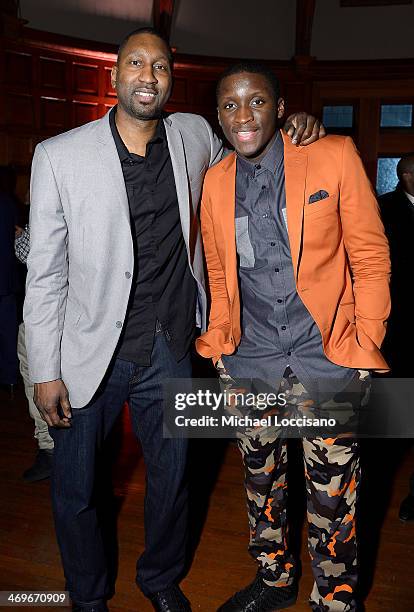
{"x":339,"y":252}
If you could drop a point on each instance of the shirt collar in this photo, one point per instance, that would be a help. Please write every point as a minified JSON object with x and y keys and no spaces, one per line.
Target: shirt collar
{"x":270,"y":161}
{"x":124,"y":154}
{"x":410,"y":197}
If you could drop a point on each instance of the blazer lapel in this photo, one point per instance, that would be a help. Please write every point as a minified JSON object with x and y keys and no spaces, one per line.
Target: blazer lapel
{"x":178,"y":161}
{"x":226,"y":214}
{"x":110,"y":159}
{"x":296,"y":161}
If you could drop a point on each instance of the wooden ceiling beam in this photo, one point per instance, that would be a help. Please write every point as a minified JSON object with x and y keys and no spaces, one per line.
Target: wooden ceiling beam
{"x":163,"y":15}
{"x":305,"y":10}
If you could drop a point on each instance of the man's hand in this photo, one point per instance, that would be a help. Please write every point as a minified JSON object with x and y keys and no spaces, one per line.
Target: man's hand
{"x":47,"y":397}
{"x":18,"y":231}
{"x":304,"y":129}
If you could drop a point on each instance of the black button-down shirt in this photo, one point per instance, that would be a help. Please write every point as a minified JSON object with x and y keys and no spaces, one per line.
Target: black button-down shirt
{"x":163,"y":287}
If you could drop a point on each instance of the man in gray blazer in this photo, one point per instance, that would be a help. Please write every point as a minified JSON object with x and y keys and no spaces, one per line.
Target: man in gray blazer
{"x":115,"y":290}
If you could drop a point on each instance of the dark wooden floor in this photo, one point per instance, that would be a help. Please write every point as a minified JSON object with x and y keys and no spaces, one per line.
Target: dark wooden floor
{"x":29,"y":557}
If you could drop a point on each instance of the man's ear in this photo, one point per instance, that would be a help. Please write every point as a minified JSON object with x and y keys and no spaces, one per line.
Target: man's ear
{"x":280,"y":108}
{"x":114,"y":72}
{"x":218,"y":117}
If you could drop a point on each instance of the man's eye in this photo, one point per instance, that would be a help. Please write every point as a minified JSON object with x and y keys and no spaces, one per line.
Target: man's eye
{"x":135,"y":62}
{"x":258,"y":102}
{"x":229,"y":105}
{"x":160,"y":67}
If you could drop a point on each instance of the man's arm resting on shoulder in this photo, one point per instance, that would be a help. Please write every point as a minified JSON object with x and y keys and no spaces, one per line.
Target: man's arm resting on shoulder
{"x":367,"y":249}
{"x":46,"y":289}
{"x":304,"y":129}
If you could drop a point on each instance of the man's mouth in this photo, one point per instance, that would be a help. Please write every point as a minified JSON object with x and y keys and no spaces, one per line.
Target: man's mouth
{"x":144,"y":95}
{"x":246,"y":135}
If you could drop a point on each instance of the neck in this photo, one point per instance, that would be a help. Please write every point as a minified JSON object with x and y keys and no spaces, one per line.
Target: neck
{"x":136,"y":133}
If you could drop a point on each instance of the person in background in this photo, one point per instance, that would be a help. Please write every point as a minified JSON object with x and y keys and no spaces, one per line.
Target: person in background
{"x":8,"y":281}
{"x":42,"y":465}
{"x":397,"y":210}
{"x":298,"y":268}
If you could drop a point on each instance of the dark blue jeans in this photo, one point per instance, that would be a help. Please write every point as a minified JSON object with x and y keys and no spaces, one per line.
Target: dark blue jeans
{"x":76,"y":458}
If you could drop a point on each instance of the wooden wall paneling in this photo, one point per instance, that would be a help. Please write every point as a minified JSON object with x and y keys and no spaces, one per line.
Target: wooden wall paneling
{"x":83,"y":112}
{"x":368,"y":134}
{"x":394,"y":143}
{"x":202,"y":93}
{"x":179,"y":93}
{"x":54,"y":115}
{"x":20,"y":110}
{"x":298,"y":96}
{"x":36,"y":89}
{"x":50,"y":83}
{"x":85,"y":78}
{"x":52,"y":73}
{"x":18,"y":69}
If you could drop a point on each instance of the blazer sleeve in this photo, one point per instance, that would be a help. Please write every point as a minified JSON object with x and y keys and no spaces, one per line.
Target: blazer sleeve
{"x":367,"y":249}
{"x":47,"y":275}
{"x":219,"y":320}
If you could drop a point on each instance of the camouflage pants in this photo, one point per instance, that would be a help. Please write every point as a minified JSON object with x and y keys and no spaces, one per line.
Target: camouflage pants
{"x":332,"y":472}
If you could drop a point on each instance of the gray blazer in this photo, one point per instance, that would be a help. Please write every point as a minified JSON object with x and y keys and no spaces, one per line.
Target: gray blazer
{"x":81,"y":257}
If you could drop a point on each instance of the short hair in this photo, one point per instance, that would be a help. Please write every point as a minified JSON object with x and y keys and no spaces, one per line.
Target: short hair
{"x":252,"y":68}
{"x":146,"y":30}
{"x":406,"y":164}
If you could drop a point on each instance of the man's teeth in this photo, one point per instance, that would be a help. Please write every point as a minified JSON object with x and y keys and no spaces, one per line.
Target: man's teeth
{"x":144,"y":94}
{"x":246,"y":135}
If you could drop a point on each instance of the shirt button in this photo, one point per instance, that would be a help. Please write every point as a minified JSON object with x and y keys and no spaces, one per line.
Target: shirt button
{"x":283,"y":327}
{"x":277,"y":270}
{"x":263,"y":186}
{"x":289,"y":353}
{"x":273,"y":244}
{"x":127,"y":274}
{"x":119,"y":324}
{"x":258,"y":167}
{"x":265,"y":216}
{"x":279,"y":301}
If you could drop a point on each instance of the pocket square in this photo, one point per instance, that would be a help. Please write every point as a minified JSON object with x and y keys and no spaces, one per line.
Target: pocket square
{"x":319,"y":195}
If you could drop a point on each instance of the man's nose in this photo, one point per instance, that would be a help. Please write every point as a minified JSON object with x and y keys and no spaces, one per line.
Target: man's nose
{"x":244,"y":115}
{"x":147,"y":75}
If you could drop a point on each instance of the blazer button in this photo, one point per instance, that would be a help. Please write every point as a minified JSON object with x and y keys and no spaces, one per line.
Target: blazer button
{"x":119,"y":324}
{"x":127,"y":274}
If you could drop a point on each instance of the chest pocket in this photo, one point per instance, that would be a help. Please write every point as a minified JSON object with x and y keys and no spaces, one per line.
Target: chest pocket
{"x":243,"y":244}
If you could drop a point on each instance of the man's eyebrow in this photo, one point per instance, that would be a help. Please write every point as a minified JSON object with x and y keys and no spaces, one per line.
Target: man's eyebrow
{"x":232,"y":96}
{"x":140,"y":52}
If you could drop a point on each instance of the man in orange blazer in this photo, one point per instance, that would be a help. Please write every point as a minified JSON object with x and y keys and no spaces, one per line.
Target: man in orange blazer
{"x":298,"y":268}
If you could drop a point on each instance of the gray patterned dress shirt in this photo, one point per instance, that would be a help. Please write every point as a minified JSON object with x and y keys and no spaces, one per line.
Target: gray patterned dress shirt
{"x":277,"y":328}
